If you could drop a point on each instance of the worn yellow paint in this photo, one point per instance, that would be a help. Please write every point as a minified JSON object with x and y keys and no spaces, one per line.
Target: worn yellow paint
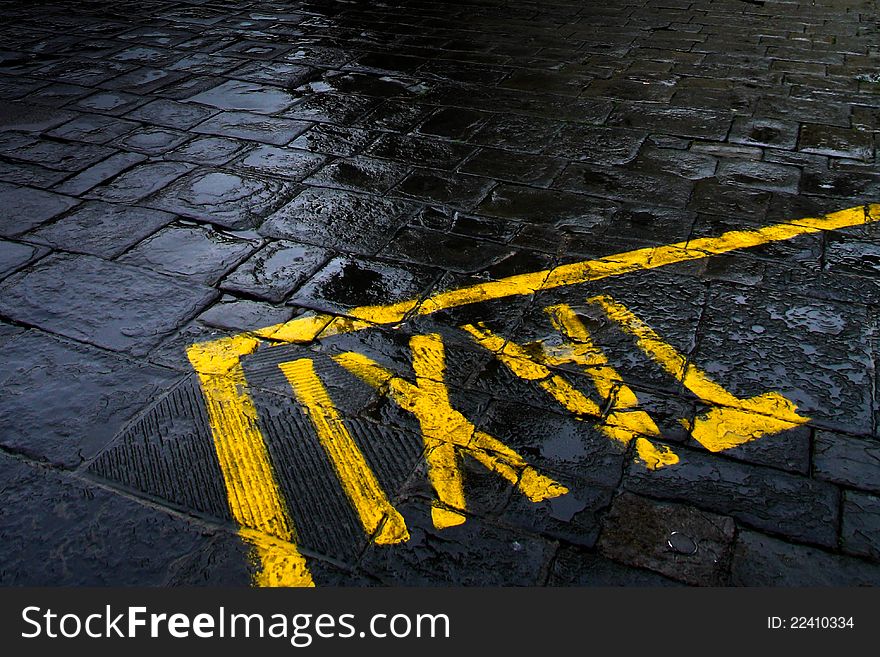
{"x":254,"y":498}
{"x":732,"y":421}
{"x":379,"y":518}
{"x":306,"y":329}
{"x":624,"y":421}
{"x":252,"y":492}
{"x":447,"y":432}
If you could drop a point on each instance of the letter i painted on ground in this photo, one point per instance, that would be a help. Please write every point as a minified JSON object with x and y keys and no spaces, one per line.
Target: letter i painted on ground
{"x":378,"y":517}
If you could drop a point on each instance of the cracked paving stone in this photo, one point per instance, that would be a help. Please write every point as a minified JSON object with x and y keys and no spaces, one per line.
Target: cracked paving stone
{"x":88,"y":536}
{"x":359,"y":174}
{"x":346,"y":283}
{"x":226,"y":199}
{"x":245,"y":97}
{"x":560,"y":209}
{"x":860,"y":530}
{"x":170,"y":114}
{"x":13,"y":255}
{"x":760,"y":560}
{"x":64,"y":402}
{"x":675,"y":540}
{"x":334,"y":140}
{"x":276,"y":270}
{"x":93,"y":128}
{"x":338,"y":220}
{"x":198,"y":254}
{"x":845,"y":460}
{"x":815,"y":353}
{"x":759,"y":175}
{"x":282,"y":162}
{"x":101,"y":229}
{"x":139,"y":182}
{"x":576,"y":567}
{"x":764,"y":132}
{"x":253,"y":127}
{"x":798,"y":508}
{"x":622,"y":185}
{"x":69,"y":295}
{"x":475,"y":553}
{"x":596,"y":144}
{"x":206,"y":150}
{"x":836,"y":142}
{"x":451,"y":252}
{"x":23,"y":208}
{"x":30,"y":118}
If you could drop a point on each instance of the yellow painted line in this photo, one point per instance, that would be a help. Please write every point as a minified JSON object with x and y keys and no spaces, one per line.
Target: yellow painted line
{"x":253,"y":493}
{"x":378,"y":517}
{"x":306,"y":329}
{"x":623,"y":424}
{"x":254,"y":500}
{"x":732,"y":421}
{"x":447,"y":432}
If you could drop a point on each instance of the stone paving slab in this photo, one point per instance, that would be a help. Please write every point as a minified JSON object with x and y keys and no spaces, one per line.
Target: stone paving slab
{"x":448,"y":278}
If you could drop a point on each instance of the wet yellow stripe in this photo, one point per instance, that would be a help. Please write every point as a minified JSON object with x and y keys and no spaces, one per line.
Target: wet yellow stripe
{"x":254,"y":500}
{"x":306,"y":329}
{"x":379,"y":518}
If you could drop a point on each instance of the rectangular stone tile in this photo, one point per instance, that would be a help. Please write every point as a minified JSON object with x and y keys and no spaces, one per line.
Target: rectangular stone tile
{"x":684,"y":122}
{"x":759,"y":175}
{"x":276,"y":270}
{"x":339,"y":220}
{"x":171,"y":114}
{"x":596,"y":144}
{"x":253,"y":127}
{"x":836,"y":142}
{"x":14,"y":255}
{"x":551,"y":207}
{"x":796,"y":507}
{"x":101,"y":229}
{"x":93,"y":128}
{"x":98,"y":173}
{"x":57,"y":530}
{"x":64,"y":401}
{"x":461,"y":191}
{"x":194,"y":253}
{"x":207,"y":150}
{"x":678,"y":541}
{"x":24,"y":208}
{"x":860,"y":531}
{"x":760,"y":560}
{"x":283,"y":162}
{"x":334,"y":140}
{"x":223,"y":198}
{"x":111,"y":305}
{"x":575,"y":567}
{"x":620,"y":185}
{"x":26,"y":117}
{"x":246,"y":97}
{"x":139,"y":182}
{"x":419,"y":151}
{"x":451,"y":252}
{"x":30,"y":175}
{"x":513,"y":167}
{"x":845,"y":460}
{"x":359,"y":173}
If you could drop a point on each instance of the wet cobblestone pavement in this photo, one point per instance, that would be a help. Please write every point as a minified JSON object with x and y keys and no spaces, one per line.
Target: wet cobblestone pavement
{"x":356,"y":293}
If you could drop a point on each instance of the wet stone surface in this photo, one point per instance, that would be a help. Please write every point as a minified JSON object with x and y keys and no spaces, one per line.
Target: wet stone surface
{"x":188,"y":172}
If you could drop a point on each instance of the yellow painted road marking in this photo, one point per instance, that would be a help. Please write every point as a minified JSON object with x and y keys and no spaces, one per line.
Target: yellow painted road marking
{"x":358,"y":481}
{"x":447,"y":432}
{"x":732,"y":421}
{"x":254,"y":498}
{"x":622,"y":423}
{"x":306,"y":329}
